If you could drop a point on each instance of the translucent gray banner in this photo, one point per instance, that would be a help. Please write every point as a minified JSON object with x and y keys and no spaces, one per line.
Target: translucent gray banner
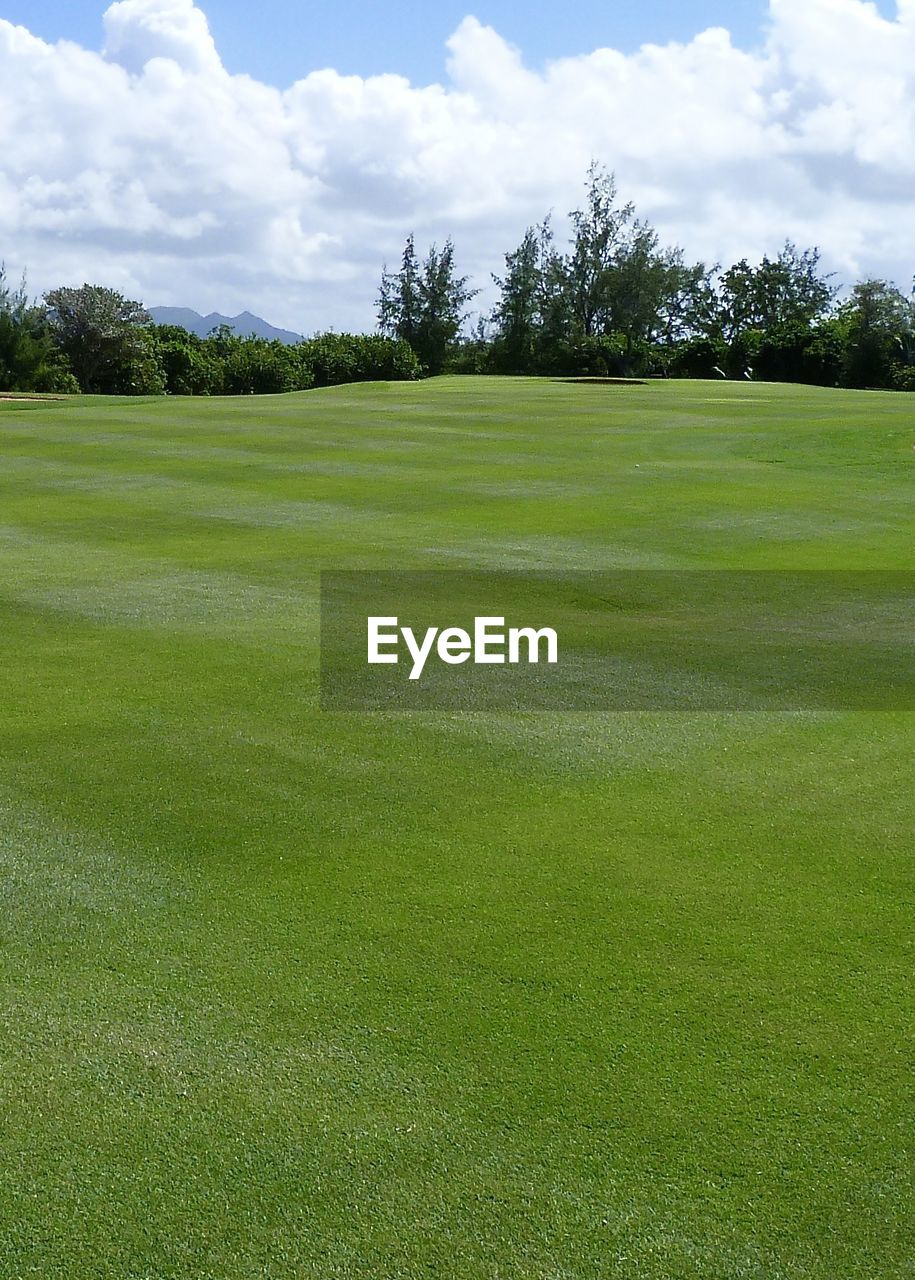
{"x":617,"y":641}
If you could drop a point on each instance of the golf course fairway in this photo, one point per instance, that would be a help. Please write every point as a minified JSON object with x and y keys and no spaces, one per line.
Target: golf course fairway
{"x":295,"y":993}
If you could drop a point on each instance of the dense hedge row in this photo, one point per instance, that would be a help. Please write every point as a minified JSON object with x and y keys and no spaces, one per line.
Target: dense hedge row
{"x":223,"y":364}
{"x":94,"y":340}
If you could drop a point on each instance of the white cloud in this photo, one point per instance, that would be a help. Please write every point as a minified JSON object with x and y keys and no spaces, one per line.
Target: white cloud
{"x":149,"y":167}
{"x":138,"y":30}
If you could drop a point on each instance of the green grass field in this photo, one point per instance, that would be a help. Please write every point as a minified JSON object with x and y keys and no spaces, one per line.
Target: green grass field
{"x":568,"y":997}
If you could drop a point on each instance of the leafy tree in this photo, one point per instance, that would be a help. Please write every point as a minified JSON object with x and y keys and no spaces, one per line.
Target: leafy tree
{"x":424,"y":305}
{"x":655,"y":299}
{"x":190,"y":366}
{"x":767,"y":313}
{"x":29,"y":360}
{"x":696,"y":357}
{"x":106,"y":339}
{"x":334,"y":358}
{"x":603,"y":355}
{"x":222,"y":341}
{"x":399,"y":298}
{"x":607,"y":305}
{"x":686,"y":300}
{"x":824,"y":352}
{"x":258,"y":368}
{"x":598,"y":235}
{"x":521,"y":313}
{"x":737,"y":309}
{"x":140,"y":373}
{"x":790,"y":290}
{"x":880,"y":334}
{"x":443,"y":297}
{"x":475,"y":352}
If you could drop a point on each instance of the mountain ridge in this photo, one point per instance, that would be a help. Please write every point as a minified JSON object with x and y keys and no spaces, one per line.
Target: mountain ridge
{"x":245,"y":324}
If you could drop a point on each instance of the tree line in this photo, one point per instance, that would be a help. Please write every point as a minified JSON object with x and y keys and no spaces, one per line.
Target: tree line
{"x":613,"y":301}
{"x":94,"y":340}
{"x":616,"y":302}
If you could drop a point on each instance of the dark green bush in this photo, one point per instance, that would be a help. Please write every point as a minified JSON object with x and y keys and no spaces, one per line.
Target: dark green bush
{"x":335,"y":358}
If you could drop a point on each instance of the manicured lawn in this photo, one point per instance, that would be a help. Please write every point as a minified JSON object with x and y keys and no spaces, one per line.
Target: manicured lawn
{"x":287,"y":993}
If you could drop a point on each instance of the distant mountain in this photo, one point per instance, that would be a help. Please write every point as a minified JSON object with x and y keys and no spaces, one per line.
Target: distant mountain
{"x":246,"y":325}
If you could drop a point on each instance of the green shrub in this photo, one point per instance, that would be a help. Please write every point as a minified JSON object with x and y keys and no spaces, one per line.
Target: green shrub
{"x":335,"y":358}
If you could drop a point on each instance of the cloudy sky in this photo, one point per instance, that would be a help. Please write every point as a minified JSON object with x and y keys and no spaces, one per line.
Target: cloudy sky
{"x":272,"y":156}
